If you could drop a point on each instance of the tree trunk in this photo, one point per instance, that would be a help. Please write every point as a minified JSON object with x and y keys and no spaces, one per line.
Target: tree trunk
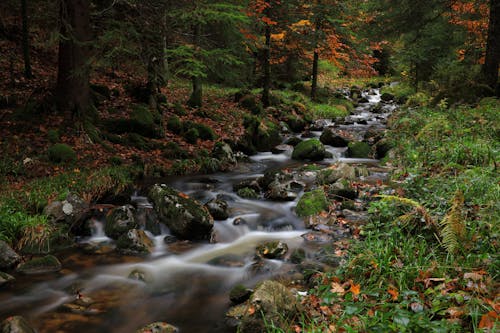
{"x":73,"y":90}
{"x":195,"y":100}
{"x":26,"y":41}
{"x":266,"y":84}
{"x":314,"y":83}
{"x":489,"y":70}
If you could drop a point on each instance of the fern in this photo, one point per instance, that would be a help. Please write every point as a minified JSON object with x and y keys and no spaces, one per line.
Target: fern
{"x":418,"y":210}
{"x":452,"y":226}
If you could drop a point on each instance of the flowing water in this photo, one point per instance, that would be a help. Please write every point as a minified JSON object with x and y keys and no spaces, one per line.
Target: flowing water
{"x":183,"y":283}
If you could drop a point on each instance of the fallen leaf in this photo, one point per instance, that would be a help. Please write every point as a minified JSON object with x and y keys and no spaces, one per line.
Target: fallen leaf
{"x":488,"y":320}
{"x":475,"y":276}
{"x":355,"y":288}
{"x":393,"y":291}
{"x":251,"y":310}
{"x":455,"y":312}
{"x":337,"y":288}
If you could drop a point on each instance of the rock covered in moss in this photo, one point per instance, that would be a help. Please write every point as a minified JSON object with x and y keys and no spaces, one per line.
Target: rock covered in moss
{"x":60,"y":153}
{"x":331,"y":138}
{"x":8,"y":257}
{"x":223,"y":152}
{"x":284,"y":191}
{"x":311,"y":203}
{"x":16,"y":324}
{"x":119,"y":221}
{"x":358,"y":150}
{"x":247,"y":193}
{"x":158,"y":327}
{"x":135,"y":242}
{"x":331,"y":174}
{"x":311,"y":149}
{"x":239,"y":294}
{"x":47,"y":264}
{"x":185,"y":217}
{"x":72,"y":211}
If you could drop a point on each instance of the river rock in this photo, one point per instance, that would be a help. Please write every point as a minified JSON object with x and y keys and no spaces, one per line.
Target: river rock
{"x":274,"y":175}
{"x":218,"y":209}
{"x":343,"y":190}
{"x":287,"y":191}
{"x":223,"y":152}
{"x":5,"y":278}
{"x":387,"y":97}
{"x":332,"y":174}
{"x":240,"y":294}
{"x":47,"y":264}
{"x":186,"y":218}
{"x":293,"y":141}
{"x":330,"y":137}
{"x":271,"y":302}
{"x":72,"y":211}
{"x":280,"y":149}
{"x":247,"y":183}
{"x":147,"y":219}
{"x":158,"y":327}
{"x":382,"y":148}
{"x":358,"y":150}
{"x":311,"y":149}
{"x":16,"y":324}
{"x":135,"y":242}
{"x":8,"y":257}
{"x":272,"y":250}
{"x":311,"y":203}
{"x":119,"y":221}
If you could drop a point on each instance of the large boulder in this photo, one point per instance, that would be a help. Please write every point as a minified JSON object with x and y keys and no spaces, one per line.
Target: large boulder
{"x":72,"y":211}
{"x":119,"y":221}
{"x":47,"y":264}
{"x":218,"y":209}
{"x":359,"y":150}
{"x":16,"y":324}
{"x":8,"y":257}
{"x":271,"y":302}
{"x":158,"y":327}
{"x":311,"y":149}
{"x":185,"y":217}
{"x":331,"y":138}
{"x":135,"y":242}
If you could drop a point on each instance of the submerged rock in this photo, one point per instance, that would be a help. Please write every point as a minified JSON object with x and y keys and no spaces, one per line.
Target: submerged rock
{"x":272,"y":250}
{"x":186,"y":218}
{"x":8,"y":257}
{"x":16,"y":324}
{"x":5,"y":278}
{"x":47,"y":264}
{"x":119,"y":221}
{"x":158,"y":327}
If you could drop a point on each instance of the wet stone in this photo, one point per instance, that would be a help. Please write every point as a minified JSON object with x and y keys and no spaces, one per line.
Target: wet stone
{"x":158,"y":327}
{"x":272,"y":250}
{"x":239,"y":294}
{"x":16,"y":324}
{"x":8,"y":257}
{"x":5,"y":278}
{"x":47,"y":264}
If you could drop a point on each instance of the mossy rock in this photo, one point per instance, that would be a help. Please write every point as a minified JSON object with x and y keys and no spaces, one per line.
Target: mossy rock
{"x":173,"y":150}
{"x":53,"y":136}
{"x":174,"y":125}
{"x":296,"y":124}
{"x":158,"y":327}
{"x":247,"y":193}
{"x":311,"y":149}
{"x":16,"y":324}
{"x":60,"y":153}
{"x":251,"y":103}
{"x":359,"y":149}
{"x":205,"y":132}
{"x":239,"y":294}
{"x":185,"y":217}
{"x":47,"y":264}
{"x":119,"y":221}
{"x":312,"y":203}
{"x":179,"y":109}
{"x":272,"y":250}
{"x":144,"y":121}
{"x":5,"y":278}
{"x":135,"y":242}
{"x":191,"y":136}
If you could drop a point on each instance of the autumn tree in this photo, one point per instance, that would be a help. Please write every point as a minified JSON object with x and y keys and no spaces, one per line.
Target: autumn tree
{"x":73,"y":89}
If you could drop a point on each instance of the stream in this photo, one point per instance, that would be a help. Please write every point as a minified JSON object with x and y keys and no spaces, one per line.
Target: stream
{"x":184,"y":283}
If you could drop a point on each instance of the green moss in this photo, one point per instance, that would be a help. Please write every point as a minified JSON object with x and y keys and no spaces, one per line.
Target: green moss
{"x":247,"y":193}
{"x":251,"y":103}
{"x":53,"y":136}
{"x":191,"y":135}
{"x":179,"y":109}
{"x":311,"y":203}
{"x":174,"y":124}
{"x":358,"y":149}
{"x":60,"y":153}
{"x":205,"y":132}
{"x":311,"y":149}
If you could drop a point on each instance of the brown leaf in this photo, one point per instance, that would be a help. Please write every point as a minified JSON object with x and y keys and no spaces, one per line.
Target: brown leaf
{"x":488,"y":320}
{"x":337,"y":288}
{"x":355,"y":288}
{"x":393,"y":291}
